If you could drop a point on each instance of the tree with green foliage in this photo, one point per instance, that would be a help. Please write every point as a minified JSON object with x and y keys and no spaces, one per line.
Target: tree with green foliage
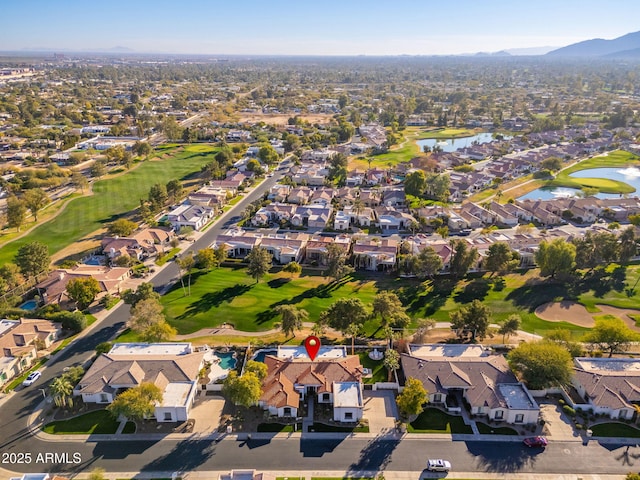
{"x":16,"y":212}
{"x":510,"y":326}
{"x":389,"y":308}
{"x":628,"y":245}
{"x":98,"y":169}
{"x":474,"y":319}
{"x":595,"y":249}
{"x":337,"y":267}
{"x":174,"y":190}
{"x":294,"y":268}
{"x":353,"y":331}
{"x":137,"y":403}
{"x":412,"y":398}
{"x":186,"y":264}
{"x":158,"y":197}
{"x":61,"y":390}
{"x":542,"y":364}
{"x":555,"y":257}
{"x":552,"y":164}
{"x":343,"y":312}
{"x":501,"y":259}
{"x":33,"y":258}
{"x":258,"y":368}
{"x":415,"y":183}
{"x":292,"y":318}
{"x":462,"y":258}
{"x":268,"y":155}
{"x":338,"y":168}
{"x":83,"y":291}
{"x":245,"y":390}
{"x":144,"y":291}
{"x":158,"y":332}
{"x":103,"y":347}
{"x":97,"y":474}
{"x":148,"y":320}
{"x":259,"y":263}
{"x":611,"y":335}
{"x":437,"y":186}
{"x":562,"y":337}
{"x":122,"y":227}
{"x":428,"y":263}
{"x":205,"y":258}
{"x":79,"y":181}
{"x":391,"y":362}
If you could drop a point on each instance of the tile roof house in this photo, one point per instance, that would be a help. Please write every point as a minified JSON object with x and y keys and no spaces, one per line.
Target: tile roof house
{"x":145,"y":243}
{"x":19,"y":343}
{"x":484,"y":381}
{"x":334,"y":381}
{"x":173,"y":367}
{"x":375,"y":254}
{"x":53,"y":289}
{"x":609,"y":386}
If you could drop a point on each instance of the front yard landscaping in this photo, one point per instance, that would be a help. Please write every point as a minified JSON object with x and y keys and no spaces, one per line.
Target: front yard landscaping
{"x":323,"y":427}
{"x":97,"y":422}
{"x":485,"y":429}
{"x":615,"y":429}
{"x":379,"y":373}
{"x":279,"y":427}
{"x":433,"y":420}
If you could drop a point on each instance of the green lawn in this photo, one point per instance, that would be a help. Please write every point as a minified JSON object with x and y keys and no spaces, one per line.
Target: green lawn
{"x":322,"y":427}
{"x":100,"y":421}
{"x":129,"y":427}
{"x":277,"y":427}
{"x":488,"y":430}
{"x":617,"y":158}
{"x":230,"y":295}
{"x":111,"y":197}
{"x":376,"y":366}
{"x":615,"y":429}
{"x":436,"y":421}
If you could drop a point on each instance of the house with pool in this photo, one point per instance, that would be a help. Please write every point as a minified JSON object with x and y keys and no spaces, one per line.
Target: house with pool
{"x":333,"y":377}
{"x":173,"y":367}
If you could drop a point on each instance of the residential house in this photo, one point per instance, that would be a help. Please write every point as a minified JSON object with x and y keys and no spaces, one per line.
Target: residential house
{"x":364,"y":217}
{"x":53,"y":289}
{"x":455,"y":375}
{"x":299,"y":195}
{"x":139,"y":245}
{"x":279,"y":193}
{"x":375,"y":254}
{"x":316,"y":250}
{"x":503,"y":216}
{"x":193,"y":216}
{"x":322,"y":196}
{"x":238,"y":243}
{"x":394,"y":197}
{"x":341,"y":221}
{"x":312,"y":216}
{"x":20,"y":341}
{"x":609,"y":386}
{"x":335,"y":381}
{"x":391,"y":220}
{"x":173,"y":367}
{"x":285,"y":248}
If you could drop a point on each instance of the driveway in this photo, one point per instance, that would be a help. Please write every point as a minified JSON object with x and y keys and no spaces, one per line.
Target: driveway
{"x":381,"y":410}
{"x":207,"y":412}
{"x":557,"y":424}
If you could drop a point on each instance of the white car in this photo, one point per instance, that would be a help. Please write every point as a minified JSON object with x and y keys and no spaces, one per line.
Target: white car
{"x":33,"y":376}
{"x":438,"y":465}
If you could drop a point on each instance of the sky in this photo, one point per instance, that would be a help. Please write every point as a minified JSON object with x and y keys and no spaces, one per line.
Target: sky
{"x":301,"y":27}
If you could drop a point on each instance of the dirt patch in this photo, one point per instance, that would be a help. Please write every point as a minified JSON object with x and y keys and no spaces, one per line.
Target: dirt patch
{"x":572,"y":312}
{"x":276,"y":119}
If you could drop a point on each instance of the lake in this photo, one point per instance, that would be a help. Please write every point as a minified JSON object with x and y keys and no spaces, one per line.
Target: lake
{"x":453,"y":144}
{"x":629,"y":175}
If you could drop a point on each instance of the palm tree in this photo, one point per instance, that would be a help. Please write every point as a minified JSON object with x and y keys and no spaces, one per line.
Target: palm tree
{"x":353,"y":331}
{"x":62,"y":390}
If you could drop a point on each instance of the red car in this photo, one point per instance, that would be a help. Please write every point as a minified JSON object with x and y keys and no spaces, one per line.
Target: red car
{"x":535,"y":442}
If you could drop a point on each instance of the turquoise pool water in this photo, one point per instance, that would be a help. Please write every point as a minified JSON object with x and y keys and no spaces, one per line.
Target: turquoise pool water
{"x":260,"y":354}
{"x":29,"y":305}
{"x":227,"y":360}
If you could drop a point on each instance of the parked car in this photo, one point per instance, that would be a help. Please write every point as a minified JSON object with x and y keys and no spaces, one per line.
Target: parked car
{"x":33,"y":376}
{"x":438,"y":465}
{"x":535,"y":442}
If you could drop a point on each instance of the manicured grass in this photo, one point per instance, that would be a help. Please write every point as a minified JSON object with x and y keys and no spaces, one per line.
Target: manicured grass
{"x":321,"y":427}
{"x":19,"y":379}
{"x":230,"y":295}
{"x":129,"y":427}
{"x":436,"y":421}
{"x":488,"y":430}
{"x":379,"y":373}
{"x":277,"y":427}
{"x":615,"y":285}
{"x":160,"y":261}
{"x":615,"y":429}
{"x":111,"y":197}
{"x":447,"y":133}
{"x":617,"y":158}
{"x":98,"y":422}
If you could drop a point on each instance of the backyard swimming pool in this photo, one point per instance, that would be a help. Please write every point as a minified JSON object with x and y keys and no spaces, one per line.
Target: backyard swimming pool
{"x":260,"y":354}
{"x":29,"y":305}
{"x":227,"y":360}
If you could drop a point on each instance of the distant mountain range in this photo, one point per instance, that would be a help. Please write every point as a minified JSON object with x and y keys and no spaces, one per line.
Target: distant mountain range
{"x":627,"y":46}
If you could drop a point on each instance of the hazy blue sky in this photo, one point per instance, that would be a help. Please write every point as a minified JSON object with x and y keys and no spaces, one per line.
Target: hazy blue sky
{"x":331,"y":27}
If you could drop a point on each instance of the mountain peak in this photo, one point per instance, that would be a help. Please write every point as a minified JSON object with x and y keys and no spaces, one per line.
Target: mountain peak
{"x":599,"y":47}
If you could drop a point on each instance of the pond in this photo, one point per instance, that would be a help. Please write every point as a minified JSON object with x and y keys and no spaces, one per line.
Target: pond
{"x":453,"y":144}
{"x":629,"y":175}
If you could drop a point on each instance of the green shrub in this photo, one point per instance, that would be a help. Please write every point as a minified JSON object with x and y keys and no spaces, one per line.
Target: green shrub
{"x":578,"y":426}
{"x":562,"y":402}
{"x":569,"y":411}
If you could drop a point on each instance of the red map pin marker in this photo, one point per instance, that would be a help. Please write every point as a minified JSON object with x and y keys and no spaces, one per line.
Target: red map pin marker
{"x":312,"y":345}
